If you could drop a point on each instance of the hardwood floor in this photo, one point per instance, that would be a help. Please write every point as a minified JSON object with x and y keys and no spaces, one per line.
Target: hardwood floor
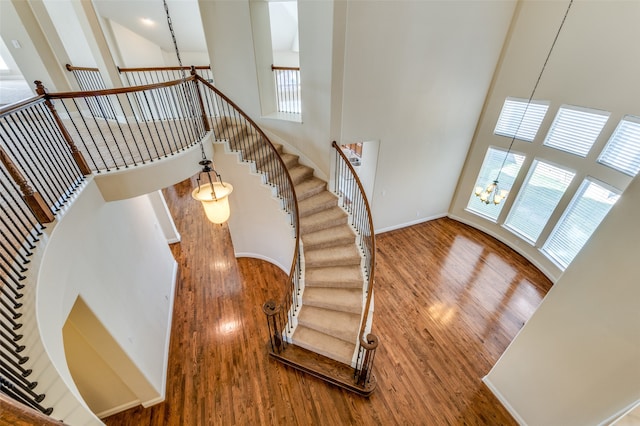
{"x":448,"y":300}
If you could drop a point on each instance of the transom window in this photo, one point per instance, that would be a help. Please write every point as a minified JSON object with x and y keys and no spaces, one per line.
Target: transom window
{"x":520,"y":118}
{"x":623,"y":149}
{"x":575,"y":129}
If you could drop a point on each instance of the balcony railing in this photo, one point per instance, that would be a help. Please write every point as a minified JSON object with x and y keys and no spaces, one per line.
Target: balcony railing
{"x":287,"y":82}
{"x":50,"y":142}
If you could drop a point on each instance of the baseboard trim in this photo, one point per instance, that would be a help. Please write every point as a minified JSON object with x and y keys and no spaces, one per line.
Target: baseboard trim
{"x":407,"y":224}
{"x":167,"y":339}
{"x":505,"y":403}
{"x":118,"y":409}
{"x":265,"y":258}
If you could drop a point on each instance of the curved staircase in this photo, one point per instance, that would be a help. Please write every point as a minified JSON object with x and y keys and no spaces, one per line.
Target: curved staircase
{"x":331,"y":305}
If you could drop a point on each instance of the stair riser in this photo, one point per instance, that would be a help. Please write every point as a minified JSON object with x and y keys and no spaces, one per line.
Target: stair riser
{"x":307,"y":227}
{"x":308,"y":211}
{"x":342,"y":335}
{"x":330,"y":243}
{"x":332,"y":262}
{"x":322,"y":352}
{"x":309,"y":193}
{"x":332,"y":306}
{"x":332,"y":284}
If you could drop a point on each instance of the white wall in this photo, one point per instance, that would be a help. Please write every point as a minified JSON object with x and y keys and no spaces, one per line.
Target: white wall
{"x":35,"y":56}
{"x":575,"y":362}
{"x":258,"y":225}
{"x":590,"y":66}
{"x":135,"y":51}
{"x":227,"y":27}
{"x":417,"y":86}
{"x":115,"y":256}
{"x":67,"y":26}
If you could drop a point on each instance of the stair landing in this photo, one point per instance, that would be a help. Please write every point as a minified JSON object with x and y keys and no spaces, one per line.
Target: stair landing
{"x":324,"y":368}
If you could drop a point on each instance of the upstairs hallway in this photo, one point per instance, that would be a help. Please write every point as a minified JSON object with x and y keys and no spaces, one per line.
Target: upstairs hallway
{"x":449,"y":300}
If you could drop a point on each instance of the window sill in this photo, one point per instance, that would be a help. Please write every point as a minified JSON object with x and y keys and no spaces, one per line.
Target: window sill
{"x":284,"y":116}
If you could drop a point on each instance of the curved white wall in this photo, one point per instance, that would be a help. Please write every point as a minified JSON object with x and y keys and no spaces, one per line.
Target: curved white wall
{"x":115,"y":256}
{"x":259,"y":226}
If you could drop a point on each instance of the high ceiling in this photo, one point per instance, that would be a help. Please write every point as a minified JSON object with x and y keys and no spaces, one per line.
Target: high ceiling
{"x":185,"y":18}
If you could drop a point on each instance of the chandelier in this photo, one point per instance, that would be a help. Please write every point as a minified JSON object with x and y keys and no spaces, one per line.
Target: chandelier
{"x":492,"y":193}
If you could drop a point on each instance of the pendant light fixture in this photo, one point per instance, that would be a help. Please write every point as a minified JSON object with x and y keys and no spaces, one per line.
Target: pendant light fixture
{"x":492,"y":194}
{"x":212,"y":195}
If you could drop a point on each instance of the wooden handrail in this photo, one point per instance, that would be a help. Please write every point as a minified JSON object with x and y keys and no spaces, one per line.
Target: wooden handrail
{"x":142,"y":69}
{"x":70,"y":67}
{"x":273,"y":68}
{"x":292,"y":270}
{"x":117,"y":91}
{"x":25,"y":103}
{"x":15,"y":413}
{"x":361,"y":337}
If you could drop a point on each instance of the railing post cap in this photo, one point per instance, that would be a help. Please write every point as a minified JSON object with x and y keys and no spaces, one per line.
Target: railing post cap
{"x":40,"y":89}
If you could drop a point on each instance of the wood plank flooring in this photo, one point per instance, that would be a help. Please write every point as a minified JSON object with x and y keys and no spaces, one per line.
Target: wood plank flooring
{"x":448,"y":300}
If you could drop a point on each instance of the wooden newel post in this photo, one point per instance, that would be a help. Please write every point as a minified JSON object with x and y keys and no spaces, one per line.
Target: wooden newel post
{"x":207,"y":127}
{"x":77,"y":155}
{"x":33,"y":199}
{"x":272,"y":311}
{"x":369,"y":347}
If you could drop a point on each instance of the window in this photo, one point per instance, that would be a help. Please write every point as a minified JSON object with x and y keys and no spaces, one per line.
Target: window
{"x":589,"y":206}
{"x":622,"y":152}
{"x":575,"y":129}
{"x":518,"y":115}
{"x":490,"y":168}
{"x":537,"y":199}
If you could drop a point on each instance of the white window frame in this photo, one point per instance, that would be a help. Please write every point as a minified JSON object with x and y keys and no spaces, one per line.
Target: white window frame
{"x":577,"y":196}
{"x":624,"y":143}
{"x":520,"y":118}
{"x":522,"y":193}
{"x":573,"y":126}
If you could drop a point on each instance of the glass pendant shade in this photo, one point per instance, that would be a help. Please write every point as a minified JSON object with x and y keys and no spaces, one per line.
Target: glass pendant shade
{"x":216,"y":205}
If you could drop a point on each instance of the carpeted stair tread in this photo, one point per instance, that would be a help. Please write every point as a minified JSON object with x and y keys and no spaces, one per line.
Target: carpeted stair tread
{"x":289,"y":159}
{"x":300,"y":173}
{"x":323,"y":344}
{"x":332,"y":256}
{"x":326,"y":219}
{"x":329,"y":237}
{"x":338,"y":299}
{"x":309,"y":188}
{"x":317,"y":203}
{"x":334,"y":276}
{"x":343,"y":325}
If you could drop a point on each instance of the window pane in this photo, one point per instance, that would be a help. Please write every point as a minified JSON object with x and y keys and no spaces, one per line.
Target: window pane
{"x":537,"y":199}
{"x":574,"y":130}
{"x":518,"y":115}
{"x":589,"y":206}
{"x":623,"y":149}
{"x":488,"y":173}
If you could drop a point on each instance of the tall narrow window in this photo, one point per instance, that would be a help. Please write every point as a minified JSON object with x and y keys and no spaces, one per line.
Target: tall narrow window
{"x":623,"y":149}
{"x":575,"y":129}
{"x":537,"y":199}
{"x":589,"y":206}
{"x":521,"y":119}
{"x":490,"y":168}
